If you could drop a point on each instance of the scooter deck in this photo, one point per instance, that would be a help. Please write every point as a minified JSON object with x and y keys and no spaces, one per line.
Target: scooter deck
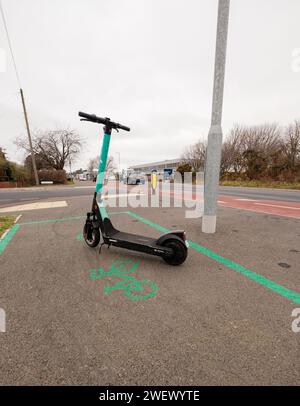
{"x":131,"y":241}
{"x":134,"y":238}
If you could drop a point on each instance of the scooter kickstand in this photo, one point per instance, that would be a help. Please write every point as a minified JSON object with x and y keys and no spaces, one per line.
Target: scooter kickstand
{"x":100,"y":247}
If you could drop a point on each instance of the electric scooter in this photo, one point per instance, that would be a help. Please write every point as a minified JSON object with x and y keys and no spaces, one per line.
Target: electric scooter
{"x":172,"y":247}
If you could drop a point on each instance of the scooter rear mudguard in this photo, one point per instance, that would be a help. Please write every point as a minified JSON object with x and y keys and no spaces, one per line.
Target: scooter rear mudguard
{"x":174,"y":235}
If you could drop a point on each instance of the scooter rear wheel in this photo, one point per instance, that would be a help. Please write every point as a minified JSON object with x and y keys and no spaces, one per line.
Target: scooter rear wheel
{"x":91,"y":237}
{"x":179,"y":252}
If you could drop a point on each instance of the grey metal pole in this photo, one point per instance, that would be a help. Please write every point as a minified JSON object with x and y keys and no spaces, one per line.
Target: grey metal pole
{"x":214,"y":145}
{"x":29,"y":139}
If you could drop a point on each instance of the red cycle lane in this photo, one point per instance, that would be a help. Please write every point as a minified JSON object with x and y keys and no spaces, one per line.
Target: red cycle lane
{"x":279,"y":208}
{"x":275,"y":207}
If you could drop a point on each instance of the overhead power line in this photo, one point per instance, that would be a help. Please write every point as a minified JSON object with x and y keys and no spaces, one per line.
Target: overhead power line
{"x":22,"y":96}
{"x":9,"y":44}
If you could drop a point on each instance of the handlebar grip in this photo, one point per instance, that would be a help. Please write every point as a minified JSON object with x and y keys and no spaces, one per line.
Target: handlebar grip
{"x":92,"y":117}
{"x":84,"y":115}
{"x":89,"y":117}
{"x":123,"y":127}
{"x":106,"y":121}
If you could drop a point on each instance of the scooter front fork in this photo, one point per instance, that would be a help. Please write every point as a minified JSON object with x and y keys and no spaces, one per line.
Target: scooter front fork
{"x":89,"y":226}
{"x":91,"y":223}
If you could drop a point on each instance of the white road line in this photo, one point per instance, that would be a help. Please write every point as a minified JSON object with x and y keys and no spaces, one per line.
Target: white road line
{"x":84,"y":187}
{"x":280,"y":207}
{"x":6,"y":232}
{"x":264,"y":212}
{"x":18,"y":218}
{"x":122,"y":195}
{"x":246,"y":200}
{"x":34,"y":206}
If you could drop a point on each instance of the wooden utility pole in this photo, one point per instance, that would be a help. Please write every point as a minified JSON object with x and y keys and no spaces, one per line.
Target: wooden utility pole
{"x":22,"y":95}
{"x":29,"y":139}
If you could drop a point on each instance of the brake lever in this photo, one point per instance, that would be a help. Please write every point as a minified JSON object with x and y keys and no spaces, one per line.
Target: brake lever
{"x":84,"y":119}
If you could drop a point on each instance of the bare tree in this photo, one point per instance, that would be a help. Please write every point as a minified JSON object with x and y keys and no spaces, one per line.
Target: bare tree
{"x":232,"y":151}
{"x":226,"y":158}
{"x":94,"y":164}
{"x":39,"y":161}
{"x":194,"y":155}
{"x":263,"y":138}
{"x":291,"y":146}
{"x":260,"y":151}
{"x":55,"y":148}
{"x":251,"y":149}
{"x":184,"y":167}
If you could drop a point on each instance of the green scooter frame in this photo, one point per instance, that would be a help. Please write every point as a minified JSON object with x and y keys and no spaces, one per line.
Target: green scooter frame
{"x":172,"y":247}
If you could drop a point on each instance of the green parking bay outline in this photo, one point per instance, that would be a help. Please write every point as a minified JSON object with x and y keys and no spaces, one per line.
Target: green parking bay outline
{"x":261,"y":280}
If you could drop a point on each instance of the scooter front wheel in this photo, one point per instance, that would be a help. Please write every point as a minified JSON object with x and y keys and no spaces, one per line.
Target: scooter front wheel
{"x":179,"y":252}
{"x":91,"y":235}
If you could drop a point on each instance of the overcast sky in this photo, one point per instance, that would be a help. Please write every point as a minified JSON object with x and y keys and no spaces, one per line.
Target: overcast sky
{"x":149,"y":65}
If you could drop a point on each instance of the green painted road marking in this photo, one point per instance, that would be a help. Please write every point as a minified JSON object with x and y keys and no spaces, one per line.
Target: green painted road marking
{"x":62,"y":219}
{"x":6,"y":240}
{"x":129,"y":286}
{"x":59,"y":220}
{"x":8,"y":237}
{"x":268,"y":283}
{"x":79,"y":237}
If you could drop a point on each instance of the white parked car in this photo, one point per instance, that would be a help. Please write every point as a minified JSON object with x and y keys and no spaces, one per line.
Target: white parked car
{"x":134,"y":179}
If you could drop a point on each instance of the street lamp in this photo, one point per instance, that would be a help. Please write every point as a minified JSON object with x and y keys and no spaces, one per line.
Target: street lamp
{"x":214,"y":144}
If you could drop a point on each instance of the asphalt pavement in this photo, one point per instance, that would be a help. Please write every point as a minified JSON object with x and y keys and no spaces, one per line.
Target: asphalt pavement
{"x":74,"y":316}
{"x":261,"y":193}
{"x":22,"y":195}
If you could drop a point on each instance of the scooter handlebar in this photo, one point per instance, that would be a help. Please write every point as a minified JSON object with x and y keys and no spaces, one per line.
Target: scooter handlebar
{"x":99,"y":120}
{"x":123,"y":127}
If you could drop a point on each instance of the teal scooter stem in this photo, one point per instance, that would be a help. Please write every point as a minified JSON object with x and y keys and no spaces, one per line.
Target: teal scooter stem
{"x":101,"y":173}
{"x":172,"y":247}
{"x":103,"y":162}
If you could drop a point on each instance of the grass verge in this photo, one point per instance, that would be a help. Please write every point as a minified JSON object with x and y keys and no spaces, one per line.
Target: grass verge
{"x":261,"y":183}
{"x":5,"y":223}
